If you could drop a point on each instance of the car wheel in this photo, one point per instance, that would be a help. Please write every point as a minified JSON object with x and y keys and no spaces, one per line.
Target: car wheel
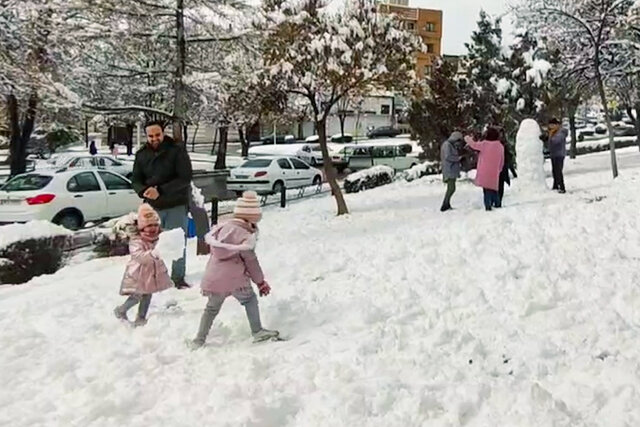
{"x":69,"y":220}
{"x":278,"y":186}
{"x":317,"y":180}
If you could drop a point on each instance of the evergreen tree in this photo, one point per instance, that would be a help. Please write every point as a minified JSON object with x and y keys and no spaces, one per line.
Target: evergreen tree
{"x":444,"y":110}
{"x":485,"y":71}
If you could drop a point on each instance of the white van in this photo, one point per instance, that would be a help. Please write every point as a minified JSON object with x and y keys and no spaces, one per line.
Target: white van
{"x":397,"y":156}
{"x":309,"y":152}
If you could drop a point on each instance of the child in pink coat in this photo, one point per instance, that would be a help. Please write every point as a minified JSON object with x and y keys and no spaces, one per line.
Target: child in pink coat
{"x":490,"y":163}
{"x":146,"y":273}
{"x":232,"y":267}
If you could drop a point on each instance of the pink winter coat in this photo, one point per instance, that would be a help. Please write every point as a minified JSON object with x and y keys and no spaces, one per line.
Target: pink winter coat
{"x":490,"y":162}
{"x":145,"y":274}
{"x":233,"y":263}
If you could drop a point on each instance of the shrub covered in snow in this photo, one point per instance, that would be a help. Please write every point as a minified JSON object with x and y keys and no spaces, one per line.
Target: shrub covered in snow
{"x":421,"y":170}
{"x":368,"y":178}
{"x":112,"y":239}
{"x":30,"y":250}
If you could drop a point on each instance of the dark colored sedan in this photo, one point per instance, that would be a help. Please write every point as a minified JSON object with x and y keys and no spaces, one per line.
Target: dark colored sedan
{"x":382,"y":132}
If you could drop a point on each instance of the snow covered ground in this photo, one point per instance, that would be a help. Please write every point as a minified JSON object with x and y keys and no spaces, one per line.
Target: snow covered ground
{"x":397,"y":315}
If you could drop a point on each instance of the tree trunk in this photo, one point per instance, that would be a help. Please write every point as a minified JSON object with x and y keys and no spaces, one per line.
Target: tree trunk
{"x":243,"y":142}
{"x":20,"y":135}
{"x":221,"y":158}
{"x":636,"y":121}
{"x":574,"y":134}
{"x":612,"y":141}
{"x":342,"y":119}
{"x":300,"y":130}
{"x":330,"y":171}
{"x":86,"y":133}
{"x":179,"y":108}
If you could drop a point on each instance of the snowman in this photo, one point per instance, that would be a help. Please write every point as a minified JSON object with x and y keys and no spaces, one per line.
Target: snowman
{"x":531,"y":175}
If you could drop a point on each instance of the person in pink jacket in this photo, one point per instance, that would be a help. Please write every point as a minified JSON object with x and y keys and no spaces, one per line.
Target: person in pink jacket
{"x":232,"y":267}
{"x":146,"y":273}
{"x":490,"y":163}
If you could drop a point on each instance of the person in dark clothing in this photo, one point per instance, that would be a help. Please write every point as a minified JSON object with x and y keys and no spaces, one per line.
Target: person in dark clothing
{"x":92,"y":148}
{"x":162,"y":177}
{"x":509,"y":166}
{"x":450,"y":161}
{"x":557,"y":151}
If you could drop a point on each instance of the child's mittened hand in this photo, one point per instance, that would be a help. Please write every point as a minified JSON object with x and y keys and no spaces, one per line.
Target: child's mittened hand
{"x":264,"y":289}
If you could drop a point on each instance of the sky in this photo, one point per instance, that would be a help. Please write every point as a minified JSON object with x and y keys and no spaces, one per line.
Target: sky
{"x":460,"y":17}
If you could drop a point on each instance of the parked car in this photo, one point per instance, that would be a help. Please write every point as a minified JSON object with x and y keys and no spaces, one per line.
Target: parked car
{"x":279,"y":139}
{"x":383,"y":132}
{"x":268,"y":175}
{"x":340,"y":138}
{"x":363,"y":156}
{"x":70,"y":197}
{"x":624,"y":130}
{"x":100,"y":161}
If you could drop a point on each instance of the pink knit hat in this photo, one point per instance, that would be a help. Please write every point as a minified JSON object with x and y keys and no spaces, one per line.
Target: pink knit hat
{"x":147,"y":216}
{"x":248,"y":207}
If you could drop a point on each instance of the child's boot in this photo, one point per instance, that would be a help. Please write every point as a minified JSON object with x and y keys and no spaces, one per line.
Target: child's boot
{"x":265,"y":334}
{"x":120,"y":314}
{"x":140,"y":321}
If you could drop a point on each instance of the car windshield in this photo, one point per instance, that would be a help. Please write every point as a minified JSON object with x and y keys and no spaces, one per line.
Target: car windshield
{"x":27,"y":182}
{"x":257,"y":163}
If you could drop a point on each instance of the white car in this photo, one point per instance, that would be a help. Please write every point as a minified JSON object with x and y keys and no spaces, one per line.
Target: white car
{"x":268,"y":175}
{"x":69,"y":198}
{"x":85,"y":161}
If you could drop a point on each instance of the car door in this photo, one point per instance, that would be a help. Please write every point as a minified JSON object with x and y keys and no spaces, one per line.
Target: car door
{"x":287,"y":173}
{"x":303,"y":173}
{"x":87,"y":195}
{"x":121,"y":198}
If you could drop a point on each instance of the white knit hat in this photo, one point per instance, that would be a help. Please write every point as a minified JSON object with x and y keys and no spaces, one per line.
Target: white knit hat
{"x":248,"y":207}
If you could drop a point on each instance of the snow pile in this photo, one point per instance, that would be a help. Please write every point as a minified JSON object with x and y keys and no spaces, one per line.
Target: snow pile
{"x":197,"y":196}
{"x":171,"y":245}
{"x":395,"y":315}
{"x":370,"y":172}
{"x":418,"y":171}
{"x":13,"y":233}
{"x":530,"y":159}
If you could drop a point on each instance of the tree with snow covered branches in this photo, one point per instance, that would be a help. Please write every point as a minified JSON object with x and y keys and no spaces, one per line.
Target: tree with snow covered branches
{"x":325,"y":56}
{"x":36,"y":60}
{"x":142,"y":57}
{"x":485,"y":69}
{"x":444,"y":108}
{"x":588,"y":34}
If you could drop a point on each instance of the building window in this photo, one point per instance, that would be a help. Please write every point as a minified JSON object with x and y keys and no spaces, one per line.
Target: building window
{"x":411,"y":26}
{"x":385,"y":109}
{"x":430,"y":27}
{"x":430,"y":47}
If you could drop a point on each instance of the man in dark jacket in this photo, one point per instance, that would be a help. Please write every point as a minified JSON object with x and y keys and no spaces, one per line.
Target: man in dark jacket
{"x":450,"y":160}
{"x":557,"y":152}
{"x":162,"y":177}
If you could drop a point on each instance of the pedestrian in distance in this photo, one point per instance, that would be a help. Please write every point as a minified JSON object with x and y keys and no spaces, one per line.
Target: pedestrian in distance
{"x":557,"y":152}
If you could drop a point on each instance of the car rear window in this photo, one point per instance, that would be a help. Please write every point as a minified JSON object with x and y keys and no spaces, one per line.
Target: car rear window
{"x":257,"y":163}
{"x":27,"y":182}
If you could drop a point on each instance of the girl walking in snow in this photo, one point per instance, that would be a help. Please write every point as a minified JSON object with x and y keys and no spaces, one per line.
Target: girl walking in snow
{"x":490,"y":163}
{"x":231,"y":268}
{"x":146,"y":273}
